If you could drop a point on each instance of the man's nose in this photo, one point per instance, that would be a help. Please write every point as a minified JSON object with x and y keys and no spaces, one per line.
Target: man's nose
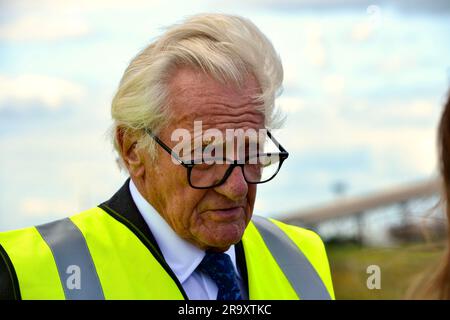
{"x":235,"y":187}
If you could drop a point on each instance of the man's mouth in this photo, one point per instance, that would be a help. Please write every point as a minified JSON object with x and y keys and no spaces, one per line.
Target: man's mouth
{"x":226,"y":214}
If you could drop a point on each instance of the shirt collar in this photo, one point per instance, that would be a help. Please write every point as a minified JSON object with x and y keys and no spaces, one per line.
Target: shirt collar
{"x":182,"y":256}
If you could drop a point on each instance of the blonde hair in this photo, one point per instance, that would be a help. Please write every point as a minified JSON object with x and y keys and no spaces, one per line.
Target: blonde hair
{"x":227,"y":47}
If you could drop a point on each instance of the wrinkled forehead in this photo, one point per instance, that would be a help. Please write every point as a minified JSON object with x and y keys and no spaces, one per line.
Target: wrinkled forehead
{"x":198,"y":97}
{"x":214,"y":142}
{"x":234,"y":138}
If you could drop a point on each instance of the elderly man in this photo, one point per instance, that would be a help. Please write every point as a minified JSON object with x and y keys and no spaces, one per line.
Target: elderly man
{"x":181,"y":227}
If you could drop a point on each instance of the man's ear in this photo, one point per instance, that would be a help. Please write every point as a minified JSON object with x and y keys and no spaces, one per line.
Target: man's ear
{"x":130,"y":154}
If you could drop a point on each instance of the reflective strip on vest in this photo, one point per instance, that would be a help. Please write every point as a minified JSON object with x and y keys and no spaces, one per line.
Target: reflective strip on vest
{"x":74,"y":262}
{"x":298,"y":270}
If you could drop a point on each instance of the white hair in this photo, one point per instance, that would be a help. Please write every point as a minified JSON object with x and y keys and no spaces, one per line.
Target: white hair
{"x":227,"y":47}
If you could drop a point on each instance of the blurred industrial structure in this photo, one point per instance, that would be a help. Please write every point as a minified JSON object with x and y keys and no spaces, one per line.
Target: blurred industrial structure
{"x":401,"y":214}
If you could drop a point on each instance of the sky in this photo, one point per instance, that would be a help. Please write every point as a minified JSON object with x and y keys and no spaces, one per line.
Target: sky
{"x":363,"y":90}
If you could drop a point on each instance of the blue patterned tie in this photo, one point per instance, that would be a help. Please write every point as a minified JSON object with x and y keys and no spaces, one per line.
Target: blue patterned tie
{"x":221,"y":270}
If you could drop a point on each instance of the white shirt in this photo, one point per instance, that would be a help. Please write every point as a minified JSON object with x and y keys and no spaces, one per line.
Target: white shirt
{"x":182,"y":256}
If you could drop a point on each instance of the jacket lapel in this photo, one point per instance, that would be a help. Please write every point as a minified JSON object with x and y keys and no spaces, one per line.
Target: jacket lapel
{"x":122,"y":203}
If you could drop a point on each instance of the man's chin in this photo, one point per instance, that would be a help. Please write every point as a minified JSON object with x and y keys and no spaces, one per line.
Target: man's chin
{"x":222,"y":236}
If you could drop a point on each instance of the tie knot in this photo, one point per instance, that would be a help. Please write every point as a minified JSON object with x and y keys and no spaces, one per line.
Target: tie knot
{"x":219,"y":267}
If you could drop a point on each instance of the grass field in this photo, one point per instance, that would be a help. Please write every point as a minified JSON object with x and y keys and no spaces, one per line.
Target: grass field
{"x":399,"y":266}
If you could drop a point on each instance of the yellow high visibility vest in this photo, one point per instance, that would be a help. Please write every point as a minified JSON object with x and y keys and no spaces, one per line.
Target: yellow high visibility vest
{"x":115,"y":261}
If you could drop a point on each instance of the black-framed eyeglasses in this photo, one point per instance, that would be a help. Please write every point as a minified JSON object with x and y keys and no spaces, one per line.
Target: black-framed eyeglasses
{"x":256,"y":169}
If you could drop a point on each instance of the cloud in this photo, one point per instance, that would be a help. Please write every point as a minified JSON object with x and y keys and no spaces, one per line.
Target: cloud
{"x":48,"y":208}
{"x":363,"y":31}
{"x":333,"y":84}
{"x":30,"y":92}
{"x":398,"y":137}
{"x":421,"y":6}
{"x":52,"y":20}
{"x":53,"y":171}
{"x":290,"y":104}
{"x":44,"y":27}
{"x":394,"y":114}
{"x":83,"y":5}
